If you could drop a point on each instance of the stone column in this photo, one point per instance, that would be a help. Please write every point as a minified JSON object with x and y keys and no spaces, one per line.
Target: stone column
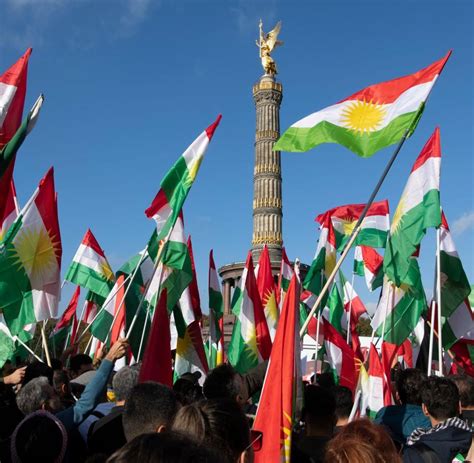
{"x":267,"y":195}
{"x":227,"y":299}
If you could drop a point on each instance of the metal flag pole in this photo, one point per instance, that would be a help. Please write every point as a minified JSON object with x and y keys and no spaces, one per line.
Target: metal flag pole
{"x":355,"y":231}
{"x":438,"y":301}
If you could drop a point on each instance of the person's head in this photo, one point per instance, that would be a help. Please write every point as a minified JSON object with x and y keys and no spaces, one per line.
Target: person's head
{"x":408,"y":384}
{"x":319,"y":411}
{"x":440,"y":399}
{"x":167,"y":447}
{"x":375,"y":435}
{"x":352,"y":449}
{"x":219,"y":424}
{"x":39,"y":437}
{"x":149,"y":408}
{"x":61,"y":383}
{"x":37,"y":369}
{"x":123,"y":383}
{"x":187,"y":391}
{"x":343,"y":398}
{"x":465,"y":385}
{"x":223,"y":382}
{"x":326,"y":380}
{"x":38,"y":394}
{"x":79,"y":364}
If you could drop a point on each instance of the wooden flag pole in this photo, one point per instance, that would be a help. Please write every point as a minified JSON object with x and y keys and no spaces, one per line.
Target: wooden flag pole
{"x":355,"y":231}
{"x":350,"y":308}
{"x":45,"y":344}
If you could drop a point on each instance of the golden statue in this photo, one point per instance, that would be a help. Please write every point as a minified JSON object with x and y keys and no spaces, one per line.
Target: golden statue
{"x":266,"y":44}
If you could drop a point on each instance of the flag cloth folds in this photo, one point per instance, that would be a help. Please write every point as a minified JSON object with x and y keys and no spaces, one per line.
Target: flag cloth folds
{"x":267,"y":291}
{"x":250,"y":343}
{"x":176,"y":184}
{"x":216,"y":312}
{"x":156,"y":364}
{"x":401,"y":308}
{"x":12,"y":97}
{"x":335,"y":309}
{"x":66,"y":323}
{"x":373,"y":229}
{"x":284,"y":278}
{"x":340,"y":356}
{"x":368,"y":120}
{"x":419,"y":208}
{"x":30,"y":261}
{"x":368,"y":263}
{"x":276,"y":409}
{"x":352,"y":302}
{"x":90,"y":268}
{"x":378,"y":387}
{"x":455,"y":289}
{"x":7,"y":164}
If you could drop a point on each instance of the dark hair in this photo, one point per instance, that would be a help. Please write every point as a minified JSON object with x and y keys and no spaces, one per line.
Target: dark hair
{"x":326,"y":380}
{"x":465,"y":385}
{"x":35,"y":370}
{"x":39,"y":437}
{"x":187,"y":392}
{"x":219,"y":424}
{"x":441,"y":397}
{"x":167,"y":447}
{"x":409,"y":383}
{"x":221,"y":382}
{"x":149,"y":406}
{"x":343,"y":398}
{"x":76,"y":361}
{"x":319,"y":405}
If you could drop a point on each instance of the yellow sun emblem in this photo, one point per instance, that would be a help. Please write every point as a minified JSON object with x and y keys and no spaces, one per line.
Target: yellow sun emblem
{"x":36,"y":251}
{"x":348,"y":224}
{"x":397,"y":217}
{"x":106,"y":271}
{"x":363,"y":116}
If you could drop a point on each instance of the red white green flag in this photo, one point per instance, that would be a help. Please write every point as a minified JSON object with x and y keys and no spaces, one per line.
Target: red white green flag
{"x":276,"y":409}
{"x":352,"y":302}
{"x":250,"y":343}
{"x":378,"y":387}
{"x":65,"y":324}
{"x":373,"y":229}
{"x":12,"y":97}
{"x":176,"y":184}
{"x":90,"y":268}
{"x":455,"y":289}
{"x":368,"y":263}
{"x":284,"y":278}
{"x":30,"y":261}
{"x":419,"y":208}
{"x":267,"y":291}
{"x":340,"y":357}
{"x":368,"y":120}
{"x":10,"y":210}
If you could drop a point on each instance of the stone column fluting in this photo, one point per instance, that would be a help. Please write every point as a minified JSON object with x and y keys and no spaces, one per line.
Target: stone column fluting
{"x":267,"y":193}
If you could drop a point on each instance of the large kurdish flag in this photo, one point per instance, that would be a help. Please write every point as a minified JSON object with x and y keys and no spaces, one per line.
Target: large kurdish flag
{"x":419,"y":208}
{"x":90,"y":268}
{"x":368,"y":120}
{"x":250,"y":342}
{"x":30,"y":261}
{"x":176,"y":184}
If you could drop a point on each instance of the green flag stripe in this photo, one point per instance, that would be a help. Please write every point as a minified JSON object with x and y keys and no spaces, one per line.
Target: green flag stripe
{"x":89,"y":278}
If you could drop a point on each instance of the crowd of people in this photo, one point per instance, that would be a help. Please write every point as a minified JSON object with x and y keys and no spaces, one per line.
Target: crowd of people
{"x":81,"y":412}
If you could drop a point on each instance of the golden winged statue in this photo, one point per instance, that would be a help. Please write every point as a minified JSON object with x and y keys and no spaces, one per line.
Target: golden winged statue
{"x":266,"y":44}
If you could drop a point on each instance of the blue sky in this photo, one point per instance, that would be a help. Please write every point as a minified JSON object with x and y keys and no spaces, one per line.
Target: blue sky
{"x":130,"y":83}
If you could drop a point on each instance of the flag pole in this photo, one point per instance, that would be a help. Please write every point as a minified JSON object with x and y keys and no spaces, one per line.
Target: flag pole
{"x":45,"y":344}
{"x":438,"y":302}
{"x":355,"y":231}
{"x":430,"y":349}
{"x":17,"y":339}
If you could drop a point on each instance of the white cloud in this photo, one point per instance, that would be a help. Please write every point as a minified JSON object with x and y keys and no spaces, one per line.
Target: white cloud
{"x":135,"y":13}
{"x":464,"y":223}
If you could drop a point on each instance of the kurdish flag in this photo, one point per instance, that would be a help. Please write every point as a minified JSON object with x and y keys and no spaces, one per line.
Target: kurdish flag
{"x":419,"y":208}
{"x":455,"y":289}
{"x":90,"y":268}
{"x":400,"y":307}
{"x":352,"y":302}
{"x":267,"y":291}
{"x":368,"y":263}
{"x":276,"y":409}
{"x":175,"y":187}
{"x":368,"y":120}
{"x":12,"y":97}
{"x":250,"y":343}
{"x":335,"y":309}
{"x":30,"y":261}
{"x":10,"y":209}
{"x":340,"y":356}
{"x":67,"y":321}
{"x":216,"y":312}
{"x":373,"y":229}
{"x":284,"y":278}
{"x":378,"y":388}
